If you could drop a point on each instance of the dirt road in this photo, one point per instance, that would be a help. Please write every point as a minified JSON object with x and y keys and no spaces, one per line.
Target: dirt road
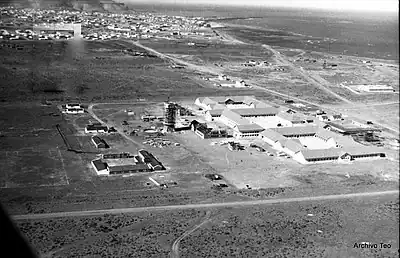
{"x":175,"y":245}
{"x":201,"y":205}
{"x":314,"y":79}
{"x":90,"y":111}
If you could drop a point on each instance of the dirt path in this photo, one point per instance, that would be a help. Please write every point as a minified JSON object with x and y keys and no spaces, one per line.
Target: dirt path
{"x":201,"y":205}
{"x":314,"y":79}
{"x":175,"y":245}
{"x":90,"y":111}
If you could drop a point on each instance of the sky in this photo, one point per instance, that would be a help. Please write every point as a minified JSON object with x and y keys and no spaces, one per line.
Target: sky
{"x":337,"y":5}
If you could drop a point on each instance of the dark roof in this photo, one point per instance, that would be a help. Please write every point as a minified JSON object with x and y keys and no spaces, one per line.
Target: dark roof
{"x":99,"y":164}
{"x":97,"y":140}
{"x":96,"y":127}
{"x":149,"y":158}
{"x":127,"y":168}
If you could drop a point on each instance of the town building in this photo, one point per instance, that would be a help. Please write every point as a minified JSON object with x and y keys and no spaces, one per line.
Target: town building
{"x":150,"y":160}
{"x":241,"y":131}
{"x":96,"y":128}
{"x":99,"y":143}
{"x":74,"y":111}
{"x":375,"y":88}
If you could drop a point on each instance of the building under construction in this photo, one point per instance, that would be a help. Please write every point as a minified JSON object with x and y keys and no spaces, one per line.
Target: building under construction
{"x":170,"y":114}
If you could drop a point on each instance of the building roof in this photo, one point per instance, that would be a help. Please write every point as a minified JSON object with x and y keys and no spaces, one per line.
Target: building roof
{"x":337,"y":152}
{"x":256,"y":111}
{"x":249,"y":128}
{"x":97,"y":140}
{"x":293,"y":145}
{"x":216,"y":112}
{"x":235,"y":117}
{"x":326,"y":134}
{"x":99,"y":164}
{"x":126,"y":168}
{"x":96,"y":127}
{"x":362,"y":150}
{"x":296,"y":130}
{"x":273,"y":135}
{"x":297,"y":117}
{"x":321,"y":153}
{"x":149,"y":158}
{"x":217,"y":107}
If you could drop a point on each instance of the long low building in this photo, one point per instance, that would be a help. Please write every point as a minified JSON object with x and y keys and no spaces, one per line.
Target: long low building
{"x":128,"y":169}
{"x":150,"y":160}
{"x":247,"y":131}
{"x":328,"y":147}
{"x":338,"y":154}
{"x":99,"y":143}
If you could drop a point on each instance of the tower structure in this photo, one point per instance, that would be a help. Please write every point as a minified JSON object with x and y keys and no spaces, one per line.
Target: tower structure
{"x":169,"y":116}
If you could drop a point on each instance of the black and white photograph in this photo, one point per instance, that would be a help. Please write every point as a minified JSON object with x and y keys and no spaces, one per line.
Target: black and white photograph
{"x":199,"y":128}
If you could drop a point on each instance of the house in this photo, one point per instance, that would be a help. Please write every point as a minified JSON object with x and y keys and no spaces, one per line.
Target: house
{"x":96,"y":128}
{"x":150,"y":160}
{"x":335,"y":117}
{"x":240,"y":83}
{"x":73,"y":105}
{"x":99,"y":143}
{"x":247,"y":131}
{"x":74,"y":111}
{"x":292,"y":146}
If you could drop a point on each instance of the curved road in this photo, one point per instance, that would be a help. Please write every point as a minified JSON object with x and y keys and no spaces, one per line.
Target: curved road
{"x":201,"y":205}
{"x":175,"y":245}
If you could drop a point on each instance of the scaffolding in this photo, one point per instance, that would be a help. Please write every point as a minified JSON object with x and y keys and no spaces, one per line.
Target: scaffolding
{"x":170,"y":114}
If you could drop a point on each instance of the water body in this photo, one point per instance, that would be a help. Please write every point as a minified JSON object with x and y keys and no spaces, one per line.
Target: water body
{"x":374,"y":35}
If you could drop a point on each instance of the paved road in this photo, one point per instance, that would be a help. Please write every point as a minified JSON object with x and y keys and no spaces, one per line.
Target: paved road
{"x":175,"y":245}
{"x":201,"y":205}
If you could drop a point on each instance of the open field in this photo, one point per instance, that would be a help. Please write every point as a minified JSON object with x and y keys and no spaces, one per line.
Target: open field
{"x":111,"y":236}
{"x":93,"y":71}
{"x":286,"y":230}
{"x":292,"y":229}
{"x":214,"y":52}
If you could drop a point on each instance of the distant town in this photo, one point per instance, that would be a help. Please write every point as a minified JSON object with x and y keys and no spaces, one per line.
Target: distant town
{"x":98,"y":25}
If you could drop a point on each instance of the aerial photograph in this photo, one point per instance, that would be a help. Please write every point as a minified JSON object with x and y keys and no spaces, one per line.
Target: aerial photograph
{"x":199,"y":128}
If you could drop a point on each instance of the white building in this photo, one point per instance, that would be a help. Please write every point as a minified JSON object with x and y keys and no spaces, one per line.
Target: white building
{"x":375,"y":88}
{"x":74,"y":111}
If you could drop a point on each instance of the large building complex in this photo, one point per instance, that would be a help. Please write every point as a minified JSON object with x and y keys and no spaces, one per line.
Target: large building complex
{"x":303,"y":137}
